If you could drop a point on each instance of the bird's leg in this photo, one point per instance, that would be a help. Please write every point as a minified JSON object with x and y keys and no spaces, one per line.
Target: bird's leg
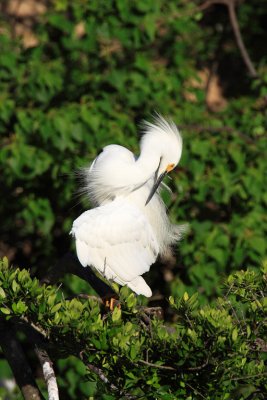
{"x":111,"y":301}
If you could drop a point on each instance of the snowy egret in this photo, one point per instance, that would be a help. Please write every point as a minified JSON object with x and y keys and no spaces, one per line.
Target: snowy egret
{"x":128,"y":228}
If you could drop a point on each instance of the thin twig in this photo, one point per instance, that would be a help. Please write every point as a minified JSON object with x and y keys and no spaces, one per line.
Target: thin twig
{"x":195,"y":390}
{"x":166,"y":367}
{"x":198,"y":368}
{"x":240,"y":378}
{"x":103,"y":378}
{"x":38,"y":329}
{"x":97,"y":371}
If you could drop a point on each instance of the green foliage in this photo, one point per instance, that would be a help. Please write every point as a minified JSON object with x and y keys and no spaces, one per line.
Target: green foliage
{"x":216,"y":352}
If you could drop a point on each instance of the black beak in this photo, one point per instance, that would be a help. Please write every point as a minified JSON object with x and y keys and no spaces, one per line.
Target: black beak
{"x":155,"y":186}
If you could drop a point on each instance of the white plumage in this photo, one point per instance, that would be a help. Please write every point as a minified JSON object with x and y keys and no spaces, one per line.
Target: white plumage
{"x":128,"y":228}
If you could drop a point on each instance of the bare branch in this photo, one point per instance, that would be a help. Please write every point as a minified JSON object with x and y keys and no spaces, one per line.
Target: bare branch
{"x":103,"y":378}
{"x":48,"y":371}
{"x":19,"y":364}
{"x":96,"y":370}
{"x":101,"y":375}
{"x":230,"y":4}
{"x":235,"y":25}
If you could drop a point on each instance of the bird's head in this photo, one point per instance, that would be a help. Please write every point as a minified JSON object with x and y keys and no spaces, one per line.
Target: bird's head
{"x":162,"y":144}
{"x":117,"y":171}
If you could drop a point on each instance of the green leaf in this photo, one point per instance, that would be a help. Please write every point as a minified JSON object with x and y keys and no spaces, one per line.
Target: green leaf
{"x":5,"y":310}
{"x":56,"y":308}
{"x":258,"y":244}
{"x":185,"y":296}
{"x":218,"y":254}
{"x":131,"y":301}
{"x":51,"y":299}
{"x":116,"y":314}
{"x":171,"y":300}
{"x":150,"y":26}
{"x":133,"y":352}
{"x":5,"y":262}
{"x":2,"y":293}
{"x":15,"y":286}
{"x":234,"y":335}
{"x":20,"y":307}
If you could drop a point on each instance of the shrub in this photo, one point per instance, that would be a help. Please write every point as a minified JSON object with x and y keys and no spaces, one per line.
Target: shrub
{"x":216,"y":352}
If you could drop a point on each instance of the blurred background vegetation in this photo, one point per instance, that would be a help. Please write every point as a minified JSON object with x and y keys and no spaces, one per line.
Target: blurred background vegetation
{"x":78,"y":75}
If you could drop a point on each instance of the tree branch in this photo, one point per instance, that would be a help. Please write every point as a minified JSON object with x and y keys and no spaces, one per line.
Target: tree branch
{"x":18,"y":362}
{"x":230,"y":4}
{"x":70,"y":264}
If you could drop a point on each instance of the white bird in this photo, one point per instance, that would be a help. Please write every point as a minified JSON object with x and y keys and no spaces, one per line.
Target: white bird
{"x":128,"y":228}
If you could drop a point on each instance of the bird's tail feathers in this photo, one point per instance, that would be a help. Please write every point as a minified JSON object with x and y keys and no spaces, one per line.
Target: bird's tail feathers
{"x":139,"y":286}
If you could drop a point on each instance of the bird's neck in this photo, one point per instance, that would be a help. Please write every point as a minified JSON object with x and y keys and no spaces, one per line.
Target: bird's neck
{"x":147,"y":163}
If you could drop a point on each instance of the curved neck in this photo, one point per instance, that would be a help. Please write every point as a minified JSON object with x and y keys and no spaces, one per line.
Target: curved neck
{"x":147,"y":163}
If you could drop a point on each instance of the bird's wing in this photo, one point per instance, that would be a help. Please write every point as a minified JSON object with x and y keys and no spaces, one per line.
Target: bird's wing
{"x":117,"y":240}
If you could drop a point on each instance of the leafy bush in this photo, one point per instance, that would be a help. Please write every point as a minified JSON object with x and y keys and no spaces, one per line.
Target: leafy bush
{"x":216,"y":352}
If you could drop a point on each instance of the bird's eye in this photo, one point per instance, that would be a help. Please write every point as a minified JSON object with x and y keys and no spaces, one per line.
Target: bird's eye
{"x":100,"y":151}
